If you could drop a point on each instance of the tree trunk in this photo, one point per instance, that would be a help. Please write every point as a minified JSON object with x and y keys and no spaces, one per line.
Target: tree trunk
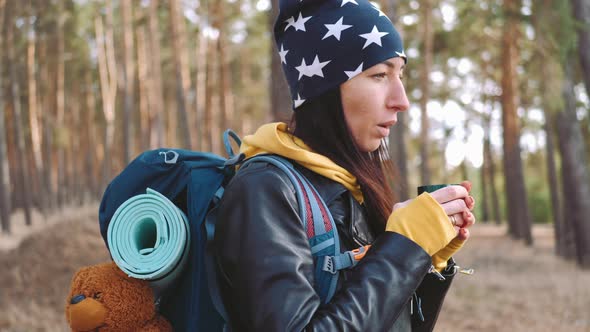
{"x":281,"y":104}
{"x":576,"y":183}
{"x":397,"y":136}
{"x":490,"y":166}
{"x":581,"y":10}
{"x":209,"y":81}
{"x":4,"y":171}
{"x":425,"y":89}
{"x":201,"y":93}
{"x":492,"y":184}
{"x":483,"y":172}
{"x":107,"y":69}
{"x":398,"y":152}
{"x":549,"y":92}
{"x":143,"y":74}
{"x":225,"y":92}
{"x":156,"y":94}
{"x":485,"y":167}
{"x":48,"y":126}
{"x":129,"y":80}
{"x":23,"y":179}
{"x":445,"y":142}
{"x":553,"y":184}
{"x":90,"y":137}
{"x":35,"y":130}
{"x":182,"y":70}
{"x":246,"y":110}
{"x":215,"y":102}
{"x":171,"y":121}
{"x":75,"y":150}
{"x":518,"y":213}
{"x":60,"y":107}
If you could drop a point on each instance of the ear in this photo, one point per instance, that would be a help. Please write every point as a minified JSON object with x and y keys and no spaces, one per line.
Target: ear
{"x":116,"y":270}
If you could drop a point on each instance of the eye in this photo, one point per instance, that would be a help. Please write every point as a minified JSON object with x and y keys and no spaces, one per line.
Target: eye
{"x":97,"y":296}
{"x":380,"y":75}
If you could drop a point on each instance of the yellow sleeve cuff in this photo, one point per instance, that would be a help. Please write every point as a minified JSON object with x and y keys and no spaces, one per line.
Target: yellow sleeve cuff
{"x":440,"y":259}
{"x":423,"y":221}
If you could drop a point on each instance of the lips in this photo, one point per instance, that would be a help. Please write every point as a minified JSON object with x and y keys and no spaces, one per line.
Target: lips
{"x":384,"y":127}
{"x":387,"y":124}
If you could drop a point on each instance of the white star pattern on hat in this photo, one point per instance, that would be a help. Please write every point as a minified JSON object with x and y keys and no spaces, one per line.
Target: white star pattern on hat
{"x":313,"y":69}
{"x":300,"y":23}
{"x":402,"y":54}
{"x":283,"y":54}
{"x":297,"y":102}
{"x":290,"y":22}
{"x":331,"y":61}
{"x":373,"y":37}
{"x":344,"y":2}
{"x":335,"y":29}
{"x":316,"y":67}
{"x":357,"y":71}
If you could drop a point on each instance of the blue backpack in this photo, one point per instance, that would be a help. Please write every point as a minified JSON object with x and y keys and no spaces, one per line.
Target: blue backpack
{"x":194,"y":182}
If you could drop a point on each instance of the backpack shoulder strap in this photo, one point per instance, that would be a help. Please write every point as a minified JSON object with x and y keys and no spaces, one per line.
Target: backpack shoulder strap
{"x":318,"y":224}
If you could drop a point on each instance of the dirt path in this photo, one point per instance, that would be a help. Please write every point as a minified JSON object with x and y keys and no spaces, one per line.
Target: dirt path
{"x":514,"y":288}
{"x":35,"y":276}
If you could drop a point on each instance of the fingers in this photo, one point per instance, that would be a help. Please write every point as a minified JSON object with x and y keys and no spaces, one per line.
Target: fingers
{"x":463,"y":219}
{"x":470,"y":202}
{"x":454,"y":207}
{"x":463,"y":234}
{"x":466,"y":185}
{"x":449,"y":193}
{"x":468,"y":219}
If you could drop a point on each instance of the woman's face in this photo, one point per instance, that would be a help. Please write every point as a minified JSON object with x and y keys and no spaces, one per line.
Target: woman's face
{"x":371,"y":101}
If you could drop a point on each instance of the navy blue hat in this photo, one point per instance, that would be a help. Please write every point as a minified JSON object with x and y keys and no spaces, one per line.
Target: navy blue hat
{"x":324,"y":43}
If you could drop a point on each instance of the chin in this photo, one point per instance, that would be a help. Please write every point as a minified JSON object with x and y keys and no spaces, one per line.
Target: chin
{"x":370,"y":147}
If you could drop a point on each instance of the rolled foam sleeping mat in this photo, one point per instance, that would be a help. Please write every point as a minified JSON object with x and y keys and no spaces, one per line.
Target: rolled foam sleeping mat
{"x":149,"y":239}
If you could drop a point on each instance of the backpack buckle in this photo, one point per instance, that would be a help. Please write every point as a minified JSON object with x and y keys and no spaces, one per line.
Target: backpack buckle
{"x":329,"y":265}
{"x":344,"y":260}
{"x":359,"y":253}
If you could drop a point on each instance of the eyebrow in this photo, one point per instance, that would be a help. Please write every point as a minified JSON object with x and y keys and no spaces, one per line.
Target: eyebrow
{"x":391,"y":65}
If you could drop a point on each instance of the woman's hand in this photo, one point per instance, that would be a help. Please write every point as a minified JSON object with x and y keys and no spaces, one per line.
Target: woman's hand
{"x":457,"y":204}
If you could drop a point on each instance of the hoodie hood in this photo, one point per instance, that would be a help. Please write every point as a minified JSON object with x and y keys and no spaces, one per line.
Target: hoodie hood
{"x":274,"y":138}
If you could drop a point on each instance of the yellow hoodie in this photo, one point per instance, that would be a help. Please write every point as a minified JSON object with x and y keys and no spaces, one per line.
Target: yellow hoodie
{"x":274,"y":138}
{"x":422,"y":221}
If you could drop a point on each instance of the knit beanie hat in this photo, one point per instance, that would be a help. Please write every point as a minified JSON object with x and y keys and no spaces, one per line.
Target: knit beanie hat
{"x":324,"y":43}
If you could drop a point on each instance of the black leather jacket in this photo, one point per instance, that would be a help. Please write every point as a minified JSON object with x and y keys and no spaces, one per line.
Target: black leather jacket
{"x":265,"y":266}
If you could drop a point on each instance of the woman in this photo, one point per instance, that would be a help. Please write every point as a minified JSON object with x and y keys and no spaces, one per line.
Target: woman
{"x":344,"y":61}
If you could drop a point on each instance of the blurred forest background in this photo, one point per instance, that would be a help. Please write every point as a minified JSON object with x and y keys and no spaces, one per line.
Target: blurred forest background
{"x":499,"y":91}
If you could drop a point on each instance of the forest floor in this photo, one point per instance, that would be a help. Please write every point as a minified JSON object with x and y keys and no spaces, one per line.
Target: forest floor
{"x":514,"y":288}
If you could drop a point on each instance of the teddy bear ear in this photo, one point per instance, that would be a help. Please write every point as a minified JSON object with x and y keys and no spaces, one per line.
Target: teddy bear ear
{"x":117,"y":270}
{"x":79,"y":275}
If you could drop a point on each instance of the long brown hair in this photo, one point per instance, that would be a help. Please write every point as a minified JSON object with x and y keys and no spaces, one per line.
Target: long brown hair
{"x":321,"y":124}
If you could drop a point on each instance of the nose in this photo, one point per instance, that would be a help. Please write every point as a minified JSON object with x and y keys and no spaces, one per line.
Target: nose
{"x":398,"y":100}
{"x":77,"y":299}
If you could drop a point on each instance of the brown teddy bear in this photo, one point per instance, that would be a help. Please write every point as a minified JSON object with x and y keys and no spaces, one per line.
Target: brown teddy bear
{"x":103,"y":298}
